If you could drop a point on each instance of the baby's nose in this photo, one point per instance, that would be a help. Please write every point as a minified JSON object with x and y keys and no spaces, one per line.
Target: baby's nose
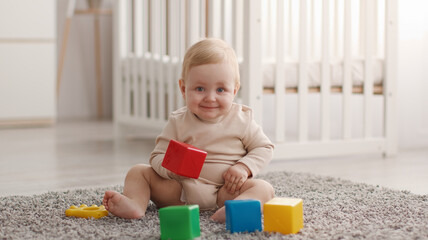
{"x":210,"y":96}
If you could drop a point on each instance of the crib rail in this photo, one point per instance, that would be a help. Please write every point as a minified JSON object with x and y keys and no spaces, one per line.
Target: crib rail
{"x":152,"y":36}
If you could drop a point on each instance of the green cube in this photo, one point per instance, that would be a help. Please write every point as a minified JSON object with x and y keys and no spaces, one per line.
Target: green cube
{"x":179,"y":222}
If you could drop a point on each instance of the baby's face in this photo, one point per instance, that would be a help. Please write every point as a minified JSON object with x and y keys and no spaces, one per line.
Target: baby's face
{"x":209,"y":90}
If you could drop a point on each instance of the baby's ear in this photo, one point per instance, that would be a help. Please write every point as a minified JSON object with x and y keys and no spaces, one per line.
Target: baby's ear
{"x":235,"y":91}
{"x":182,"y":86}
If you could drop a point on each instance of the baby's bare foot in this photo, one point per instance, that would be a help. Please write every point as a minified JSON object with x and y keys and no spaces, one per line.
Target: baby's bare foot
{"x":121,"y":206}
{"x":219,"y":215}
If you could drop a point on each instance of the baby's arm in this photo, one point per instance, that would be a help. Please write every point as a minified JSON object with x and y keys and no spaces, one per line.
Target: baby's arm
{"x":259,"y":148}
{"x":235,"y":177}
{"x":158,"y":154}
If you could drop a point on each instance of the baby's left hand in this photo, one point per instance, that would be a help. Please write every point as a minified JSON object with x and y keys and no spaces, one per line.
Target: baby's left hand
{"x":235,"y":177}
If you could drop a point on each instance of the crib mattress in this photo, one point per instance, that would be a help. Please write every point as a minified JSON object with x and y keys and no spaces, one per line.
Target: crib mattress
{"x":314,"y":73}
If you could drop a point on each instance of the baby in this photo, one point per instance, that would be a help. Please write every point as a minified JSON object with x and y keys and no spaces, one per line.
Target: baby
{"x":237,"y":147}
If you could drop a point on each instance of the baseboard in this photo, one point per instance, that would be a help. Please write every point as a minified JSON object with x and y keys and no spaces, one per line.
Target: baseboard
{"x":36,"y":122}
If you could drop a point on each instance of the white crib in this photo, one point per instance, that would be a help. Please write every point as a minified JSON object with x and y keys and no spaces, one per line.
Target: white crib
{"x":320,"y":75}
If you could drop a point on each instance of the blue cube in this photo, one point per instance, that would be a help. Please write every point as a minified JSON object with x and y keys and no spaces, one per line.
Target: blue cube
{"x":243,"y":215}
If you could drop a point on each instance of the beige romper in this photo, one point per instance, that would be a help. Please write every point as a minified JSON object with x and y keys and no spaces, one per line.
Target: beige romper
{"x":231,"y":139}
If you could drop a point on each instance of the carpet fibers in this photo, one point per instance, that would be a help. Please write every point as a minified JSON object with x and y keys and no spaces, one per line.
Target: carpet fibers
{"x":333,"y":209}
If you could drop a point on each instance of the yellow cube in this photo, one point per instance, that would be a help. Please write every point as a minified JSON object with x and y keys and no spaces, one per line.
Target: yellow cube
{"x":283,"y":215}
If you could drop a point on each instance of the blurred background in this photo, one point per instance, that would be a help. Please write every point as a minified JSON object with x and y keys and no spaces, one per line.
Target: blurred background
{"x":26,"y":42}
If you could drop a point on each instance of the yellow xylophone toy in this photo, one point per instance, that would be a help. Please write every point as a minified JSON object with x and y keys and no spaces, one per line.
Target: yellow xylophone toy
{"x":86,"y":212}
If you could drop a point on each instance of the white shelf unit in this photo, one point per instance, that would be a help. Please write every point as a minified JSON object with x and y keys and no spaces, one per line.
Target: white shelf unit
{"x":27,"y":62}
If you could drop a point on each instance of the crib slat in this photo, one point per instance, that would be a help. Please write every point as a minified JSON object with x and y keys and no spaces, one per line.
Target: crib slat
{"x":129,"y":28}
{"x":122,"y":28}
{"x":155,"y":28}
{"x":182,"y":28}
{"x":163,"y":27}
{"x":143,"y":63}
{"x":161,"y":64}
{"x":119,"y":28}
{"x":213,"y":18}
{"x":170,"y":85}
{"x":362,"y":25}
{"x":269,"y":34}
{"x":280,"y":74}
{"x":178,"y":96}
{"x":290,"y":28}
{"x":145,"y":26}
{"x":121,"y":89}
{"x":203,"y":18}
{"x":336,"y":40}
{"x":169,"y":93}
{"x":127,"y":86}
{"x":325,"y":65}
{"x":133,"y":86}
{"x":173,"y":26}
{"x":368,"y":73}
{"x":235,"y":15}
{"x":142,"y":98}
{"x":151,"y":93}
{"x":252,"y":88}
{"x":390,"y":79}
{"x":303,"y":77}
{"x":374,"y":25}
{"x":117,"y":65}
{"x":347,"y":81}
{"x":174,"y":20}
{"x":223,"y":19}
{"x":133,"y":76}
{"x":161,"y":68}
{"x":193,"y":22}
{"x":138,"y":42}
{"x":182,"y":46}
{"x":138,"y":26}
{"x":235,"y":27}
{"x":128,"y":62}
{"x":154,"y":56}
{"x":312,"y":36}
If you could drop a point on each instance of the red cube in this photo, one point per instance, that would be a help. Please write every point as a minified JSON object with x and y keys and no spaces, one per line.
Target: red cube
{"x":184,"y":159}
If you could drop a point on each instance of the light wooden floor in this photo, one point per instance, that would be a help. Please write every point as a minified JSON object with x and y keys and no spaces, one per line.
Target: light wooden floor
{"x":84,"y":154}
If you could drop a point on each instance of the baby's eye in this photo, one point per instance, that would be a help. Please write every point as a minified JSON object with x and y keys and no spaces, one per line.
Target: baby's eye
{"x":220,"y":90}
{"x":200,"y":89}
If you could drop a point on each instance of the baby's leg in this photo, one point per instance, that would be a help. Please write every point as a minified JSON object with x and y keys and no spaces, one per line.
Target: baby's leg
{"x":252,"y":189}
{"x":142,"y":184}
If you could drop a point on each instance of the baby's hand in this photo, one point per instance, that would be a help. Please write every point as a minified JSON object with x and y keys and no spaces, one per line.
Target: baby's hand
{"x":235,"y":177}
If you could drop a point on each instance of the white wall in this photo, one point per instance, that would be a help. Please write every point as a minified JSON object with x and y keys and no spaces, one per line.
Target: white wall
{"x":413,"y":74}
{"x":77,"y":99}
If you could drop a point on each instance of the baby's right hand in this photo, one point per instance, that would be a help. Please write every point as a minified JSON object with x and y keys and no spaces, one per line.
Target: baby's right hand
{"x":235,"y":177}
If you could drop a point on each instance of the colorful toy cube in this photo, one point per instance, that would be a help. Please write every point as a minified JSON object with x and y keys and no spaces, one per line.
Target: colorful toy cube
{"x":243,"y":215}
{"x":283,"y":215}
{"x":179,"y":222}
{"x":184,"y":159}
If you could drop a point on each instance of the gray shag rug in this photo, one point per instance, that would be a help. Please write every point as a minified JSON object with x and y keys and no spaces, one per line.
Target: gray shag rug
{"x":333,"y":209}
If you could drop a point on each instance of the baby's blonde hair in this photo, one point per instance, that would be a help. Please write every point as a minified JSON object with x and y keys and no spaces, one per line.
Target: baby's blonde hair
{"x":210,"y":51}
